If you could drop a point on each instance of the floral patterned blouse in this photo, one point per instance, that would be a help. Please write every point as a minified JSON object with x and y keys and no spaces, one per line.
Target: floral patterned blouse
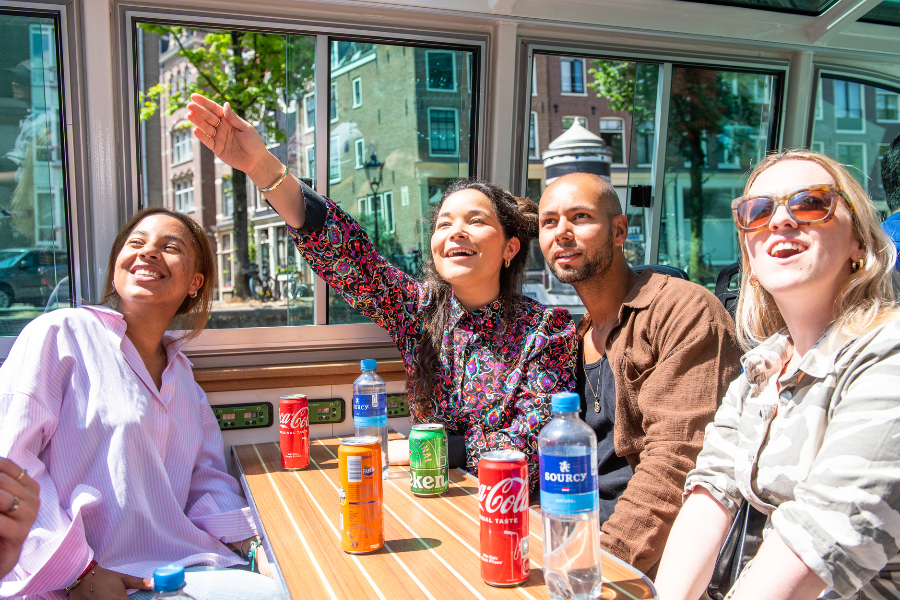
{"x":497,"y":376}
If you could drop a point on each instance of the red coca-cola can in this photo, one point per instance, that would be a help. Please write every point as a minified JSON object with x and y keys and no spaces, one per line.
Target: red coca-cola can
{"x":293,"y":417}
{"x":503,"y":496}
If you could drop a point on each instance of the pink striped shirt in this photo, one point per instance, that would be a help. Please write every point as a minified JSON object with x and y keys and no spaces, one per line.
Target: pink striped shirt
{"x":131,"y":476}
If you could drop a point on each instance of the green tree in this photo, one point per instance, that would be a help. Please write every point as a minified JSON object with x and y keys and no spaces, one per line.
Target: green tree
{"x":249,"y":69}
{"x":703,"y":103}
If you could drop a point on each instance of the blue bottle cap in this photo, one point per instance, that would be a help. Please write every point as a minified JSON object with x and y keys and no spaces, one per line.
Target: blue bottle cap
{"x":565,"y":402}
{"x":370,"y":364}
{"x":169,"y":578}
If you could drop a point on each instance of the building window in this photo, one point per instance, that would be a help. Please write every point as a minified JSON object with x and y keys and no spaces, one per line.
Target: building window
{"x":612,"y":131}
{"x":569,"y":121}
{"x":571,"y":75}
{"x":818,"y":147}
{"x":853,"y":155}
{"x":334,"y":160}
{"x":533,"y":137}
{"x":182,"y":147}
{"x":381,"y":206}
{"x":227,"y":197}
{"x":848,"y":107}
{"x":387,"y":205}
{"x":333,"y":104}
{"x":310,"y":112}
{"x":441,"y":68}
{"x":534,"y":77}
{"x":227,"y":259}
{"x":311,"y":162}
{"x":360,"y":153}
{"x":357,"y":92}
{"x":887,"y":107}
{"x":443,"y":131}
{"x":184,"y":195}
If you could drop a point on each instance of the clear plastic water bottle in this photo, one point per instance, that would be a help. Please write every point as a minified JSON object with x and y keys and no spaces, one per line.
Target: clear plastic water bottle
{"x":570,"y":506}
{"x":168,"y":582}
{"x":370,"y":408}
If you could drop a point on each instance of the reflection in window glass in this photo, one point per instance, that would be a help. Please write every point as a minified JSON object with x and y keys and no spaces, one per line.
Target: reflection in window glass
{"x":856,"y":133}
{"x":414,"y":126}
{"x":532,"y":136}
{"x":185,"y":175}
{"x":720,"y":124}
{"x":34,"y":263}
{"x":886,"y":12}
{"x":800,"y":7}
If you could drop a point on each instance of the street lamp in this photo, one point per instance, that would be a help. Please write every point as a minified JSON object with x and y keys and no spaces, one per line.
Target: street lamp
{"x":374,"y":170}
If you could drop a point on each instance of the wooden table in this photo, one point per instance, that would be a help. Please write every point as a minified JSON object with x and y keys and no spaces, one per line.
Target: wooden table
{"x":431,"y":544}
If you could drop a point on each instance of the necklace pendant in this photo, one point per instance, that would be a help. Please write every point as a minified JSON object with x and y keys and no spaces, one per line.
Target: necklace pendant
{"x":596,"y":406}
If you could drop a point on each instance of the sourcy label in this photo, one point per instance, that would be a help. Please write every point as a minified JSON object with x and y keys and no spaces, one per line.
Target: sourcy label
{"x":370,"y":410}
{"x":568,"y":483}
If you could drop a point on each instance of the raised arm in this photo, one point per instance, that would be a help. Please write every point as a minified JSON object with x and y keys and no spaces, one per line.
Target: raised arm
{"x":237,"y":143}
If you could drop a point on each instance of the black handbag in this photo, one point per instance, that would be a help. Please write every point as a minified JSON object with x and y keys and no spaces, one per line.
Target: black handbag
{"x":741,"y":545}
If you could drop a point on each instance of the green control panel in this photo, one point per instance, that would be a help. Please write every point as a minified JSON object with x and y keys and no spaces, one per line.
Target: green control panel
{"x":397,"y":405}
{"x":329,"y":410}
{"x":244,"y":416}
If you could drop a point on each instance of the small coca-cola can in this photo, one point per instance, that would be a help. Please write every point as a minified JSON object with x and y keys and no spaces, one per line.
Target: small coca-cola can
{"x":503,"y":496}
{"x":293,"y":418}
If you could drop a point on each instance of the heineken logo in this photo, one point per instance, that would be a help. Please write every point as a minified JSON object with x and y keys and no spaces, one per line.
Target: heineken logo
{"x":428,"y":482}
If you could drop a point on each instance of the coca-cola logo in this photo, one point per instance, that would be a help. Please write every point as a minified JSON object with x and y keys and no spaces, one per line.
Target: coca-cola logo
{"x":507,"y":495}
{"x":294,"y":421}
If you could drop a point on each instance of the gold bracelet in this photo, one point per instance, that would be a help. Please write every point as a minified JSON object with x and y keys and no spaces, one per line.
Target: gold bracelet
{"x":276,"y":184}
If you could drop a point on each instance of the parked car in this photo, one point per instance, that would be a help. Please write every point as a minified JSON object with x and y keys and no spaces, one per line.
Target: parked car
{"x":28,"y":275}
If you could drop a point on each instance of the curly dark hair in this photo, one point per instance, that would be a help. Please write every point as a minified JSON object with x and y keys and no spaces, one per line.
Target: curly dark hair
{"x":519,"y":219}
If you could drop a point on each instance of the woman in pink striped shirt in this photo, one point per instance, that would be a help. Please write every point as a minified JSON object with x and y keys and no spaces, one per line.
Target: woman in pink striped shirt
{"x":100,"y":406}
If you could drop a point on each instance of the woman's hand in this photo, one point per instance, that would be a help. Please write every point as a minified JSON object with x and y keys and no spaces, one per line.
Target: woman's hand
{"x":398,"y":452}
{"x":232,"y":139}
{"x":238,"y":144}
{"x":107,"y":585}
{"x":19,"y":501}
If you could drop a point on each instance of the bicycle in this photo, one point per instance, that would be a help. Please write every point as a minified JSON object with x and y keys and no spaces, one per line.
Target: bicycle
{"x":262,"y":287}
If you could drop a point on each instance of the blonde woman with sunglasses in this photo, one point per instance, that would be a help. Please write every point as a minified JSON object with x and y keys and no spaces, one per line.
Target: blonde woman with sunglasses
{"x":809,"y":434}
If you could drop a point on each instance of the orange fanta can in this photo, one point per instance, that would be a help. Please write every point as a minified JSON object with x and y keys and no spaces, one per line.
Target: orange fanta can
{"x":361,"y":495}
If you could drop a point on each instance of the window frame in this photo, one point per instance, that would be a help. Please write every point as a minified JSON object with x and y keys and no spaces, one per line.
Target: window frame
{"x":455,"y":112}
{"x":307,"y":126}
{"x":428,"y":87}
{"x":572,"y":59}
{"x":562,"y":120}
{"x":360,"y":152}
{"x":621,"y":131}
{"x":863,"y":145}
{"x":333,"y":106}
{"x":887,"y":93}
{"x":356,"y":86}
{"x":862,"y":107}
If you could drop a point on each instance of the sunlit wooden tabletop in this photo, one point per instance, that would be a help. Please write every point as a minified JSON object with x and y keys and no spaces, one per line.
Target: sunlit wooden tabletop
{"x":431,"y":544}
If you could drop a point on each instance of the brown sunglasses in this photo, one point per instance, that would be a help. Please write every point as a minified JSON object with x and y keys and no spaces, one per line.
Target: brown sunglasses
{"x":806,"y":205}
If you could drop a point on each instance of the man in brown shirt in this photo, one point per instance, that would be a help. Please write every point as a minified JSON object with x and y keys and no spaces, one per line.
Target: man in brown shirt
{"x":656,"y":355}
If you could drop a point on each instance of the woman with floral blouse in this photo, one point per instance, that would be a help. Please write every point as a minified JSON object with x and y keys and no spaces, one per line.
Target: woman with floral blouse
{"x":480,"y":358}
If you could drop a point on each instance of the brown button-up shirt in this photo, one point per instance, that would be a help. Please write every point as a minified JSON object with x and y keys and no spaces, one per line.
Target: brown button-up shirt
{"x":673,"y":354}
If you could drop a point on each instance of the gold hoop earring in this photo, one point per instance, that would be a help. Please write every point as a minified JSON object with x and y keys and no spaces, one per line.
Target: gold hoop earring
{"x":858,"y":265}
{"x":754,"y":281}
{"x":192,"y":293}
{"x":506,"y":262}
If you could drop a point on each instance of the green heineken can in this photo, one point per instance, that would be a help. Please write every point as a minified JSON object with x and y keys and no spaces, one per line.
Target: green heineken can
{"x":428,"y":460}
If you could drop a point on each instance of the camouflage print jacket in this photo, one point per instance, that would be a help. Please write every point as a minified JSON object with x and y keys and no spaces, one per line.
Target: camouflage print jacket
{"x":820,"y":456}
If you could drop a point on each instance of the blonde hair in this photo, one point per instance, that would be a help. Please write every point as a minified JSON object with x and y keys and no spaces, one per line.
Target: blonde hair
{"x":194,"y":312}
{"x":869,"y":296}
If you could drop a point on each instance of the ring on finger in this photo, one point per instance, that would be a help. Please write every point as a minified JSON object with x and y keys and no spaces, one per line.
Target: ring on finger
{"x":15,"y":505}
{"x":21,"y":474}
{"x":215,"y":131}
{"x":217,"y":123}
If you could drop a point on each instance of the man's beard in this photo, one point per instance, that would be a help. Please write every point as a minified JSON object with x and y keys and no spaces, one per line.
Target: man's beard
{"x":596,"y":264}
